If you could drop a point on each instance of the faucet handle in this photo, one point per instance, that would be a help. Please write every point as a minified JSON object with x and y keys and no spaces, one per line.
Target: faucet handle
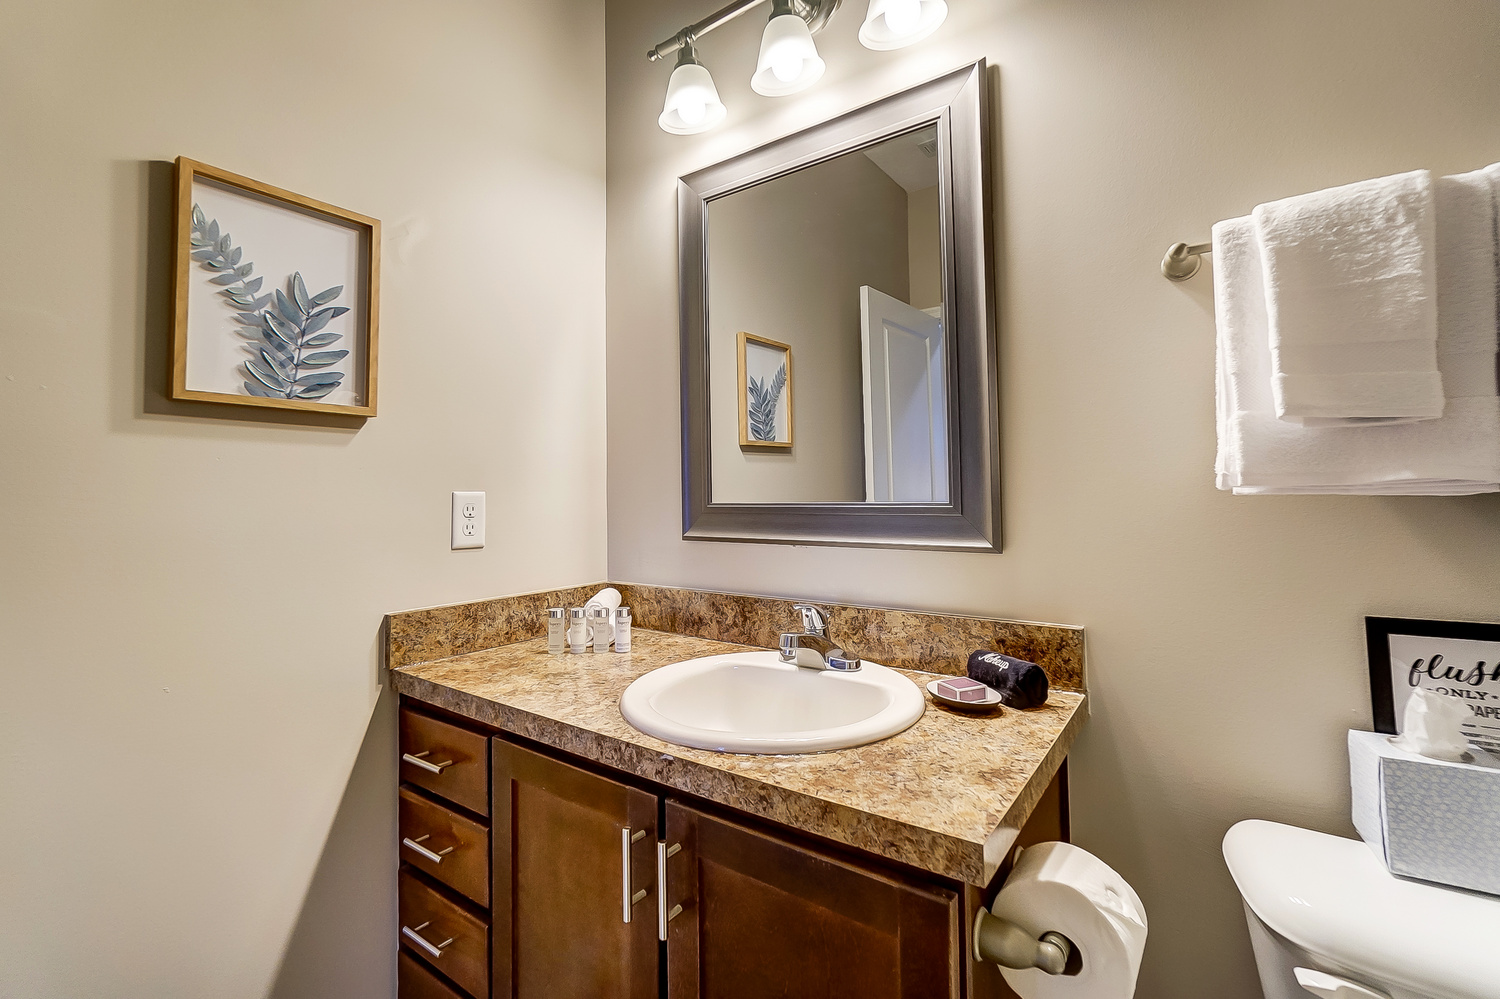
{"x":814,"y":622}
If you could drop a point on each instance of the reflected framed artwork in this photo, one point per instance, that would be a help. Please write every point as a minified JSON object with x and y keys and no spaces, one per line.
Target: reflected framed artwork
{"x":765,"y":384}
{"x":277,"y":297}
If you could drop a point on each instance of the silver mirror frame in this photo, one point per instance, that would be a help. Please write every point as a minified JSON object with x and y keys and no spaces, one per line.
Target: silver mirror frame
{"x":958,"y":105}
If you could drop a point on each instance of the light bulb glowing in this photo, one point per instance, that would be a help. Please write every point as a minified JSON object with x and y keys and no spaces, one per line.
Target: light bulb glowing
{"x":692,"y":103}
{"x":895,"y":24}
{"x":691,"y":111}
{"x":786,"y":64}
{"x":902,"y":16}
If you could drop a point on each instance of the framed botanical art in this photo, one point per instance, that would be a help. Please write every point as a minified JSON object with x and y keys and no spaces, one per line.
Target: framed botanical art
{"x":277,"y":297}
{"x":1458,"y":659}
{"x":765,"y":383}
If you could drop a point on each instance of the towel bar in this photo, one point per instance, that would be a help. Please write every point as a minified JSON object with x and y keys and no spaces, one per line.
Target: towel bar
{"x":1183,"y":260}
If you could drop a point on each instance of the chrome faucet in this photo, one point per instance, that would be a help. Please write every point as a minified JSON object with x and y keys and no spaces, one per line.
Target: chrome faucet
{"x":811,"y":648}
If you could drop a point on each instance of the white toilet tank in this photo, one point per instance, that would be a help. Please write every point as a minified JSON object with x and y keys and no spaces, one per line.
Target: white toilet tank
{"x":1327,"y":905}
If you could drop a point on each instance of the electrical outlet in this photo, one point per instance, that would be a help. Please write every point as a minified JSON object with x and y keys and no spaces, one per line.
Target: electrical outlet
{"x":468,"y":520}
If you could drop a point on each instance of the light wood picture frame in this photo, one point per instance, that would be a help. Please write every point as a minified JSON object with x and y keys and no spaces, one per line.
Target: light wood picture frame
{"x":276,"y":297}
{"x":765,"y":392}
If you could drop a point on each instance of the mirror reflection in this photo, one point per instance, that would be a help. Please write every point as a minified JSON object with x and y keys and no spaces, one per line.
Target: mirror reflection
{"x":828,"y":367}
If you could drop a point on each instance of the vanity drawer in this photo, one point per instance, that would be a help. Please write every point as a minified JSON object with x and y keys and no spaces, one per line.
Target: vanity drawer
{"x":446,"y":759}
{"x":415,"y":981}
{"x":463,"y":845}
{"x":428,"y":916}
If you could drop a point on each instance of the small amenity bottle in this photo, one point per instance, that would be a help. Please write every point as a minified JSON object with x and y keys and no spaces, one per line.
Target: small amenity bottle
{"x":600,"y":629}
{"x":622,"y":630}
{"x":578,"y":630}
{"x":557,"y":627}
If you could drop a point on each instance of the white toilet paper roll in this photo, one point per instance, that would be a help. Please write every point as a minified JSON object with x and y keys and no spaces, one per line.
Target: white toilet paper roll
{"x":1059,"y":887}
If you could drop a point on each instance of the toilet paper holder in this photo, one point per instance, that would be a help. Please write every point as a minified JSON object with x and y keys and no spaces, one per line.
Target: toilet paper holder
{"x":1002,"y":942}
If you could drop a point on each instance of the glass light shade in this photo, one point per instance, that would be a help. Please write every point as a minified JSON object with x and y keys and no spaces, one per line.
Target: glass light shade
{"x":693,"y":103}
{"x":893,"y":24}
{"x":788,"y":58}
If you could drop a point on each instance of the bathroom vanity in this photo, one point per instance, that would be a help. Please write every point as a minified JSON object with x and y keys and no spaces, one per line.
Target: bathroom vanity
{"x":550,"y":849}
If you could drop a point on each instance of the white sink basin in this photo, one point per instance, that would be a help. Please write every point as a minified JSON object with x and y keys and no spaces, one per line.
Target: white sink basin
{"x":752,"y":702}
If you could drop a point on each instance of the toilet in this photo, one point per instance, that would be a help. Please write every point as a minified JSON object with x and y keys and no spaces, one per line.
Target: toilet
{"x":1327,"y":919}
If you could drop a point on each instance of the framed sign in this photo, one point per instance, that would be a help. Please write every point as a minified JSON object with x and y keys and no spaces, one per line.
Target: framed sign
{"x":1455,"y":658}
{"x":277,"y":297}
{"x":765,"y":379}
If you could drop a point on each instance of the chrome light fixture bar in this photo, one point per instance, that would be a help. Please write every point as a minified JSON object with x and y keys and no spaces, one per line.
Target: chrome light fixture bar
{"x":815,"y":12}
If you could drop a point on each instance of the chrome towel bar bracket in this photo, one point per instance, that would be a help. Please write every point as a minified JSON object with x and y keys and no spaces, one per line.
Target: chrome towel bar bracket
{"x":1183,"y":260}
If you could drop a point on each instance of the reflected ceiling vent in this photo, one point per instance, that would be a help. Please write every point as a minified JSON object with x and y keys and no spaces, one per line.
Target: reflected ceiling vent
{"x":928,"y":147}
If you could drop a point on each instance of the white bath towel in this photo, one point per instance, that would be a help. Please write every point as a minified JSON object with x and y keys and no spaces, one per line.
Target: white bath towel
{"x":1351,"y":302}
{"x":1458,"y":454}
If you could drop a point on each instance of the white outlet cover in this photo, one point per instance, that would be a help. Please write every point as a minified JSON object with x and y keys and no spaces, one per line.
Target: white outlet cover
{"x":468,"y":520}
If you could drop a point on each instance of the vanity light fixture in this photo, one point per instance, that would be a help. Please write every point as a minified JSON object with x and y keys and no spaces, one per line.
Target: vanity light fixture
{"x":788,"y":60}
{"x":894,"y":24}
{"x":692,"y":103}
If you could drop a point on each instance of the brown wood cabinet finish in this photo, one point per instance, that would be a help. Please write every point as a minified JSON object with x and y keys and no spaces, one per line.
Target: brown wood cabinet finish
{"x":763,"y":914}
{"x":462,"y":755}
{"x":466,"y":959}
{"x":766,"y":917}
{"x":414,"y":980}
{"x":559,"y":913}
{"x":462,"y":844}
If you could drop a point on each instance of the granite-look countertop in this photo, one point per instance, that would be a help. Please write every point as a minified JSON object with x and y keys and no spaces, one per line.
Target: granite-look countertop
{"x":948,"y":795}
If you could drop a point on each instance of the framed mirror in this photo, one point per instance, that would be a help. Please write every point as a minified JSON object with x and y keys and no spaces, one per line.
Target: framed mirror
{"x":838,"y":335}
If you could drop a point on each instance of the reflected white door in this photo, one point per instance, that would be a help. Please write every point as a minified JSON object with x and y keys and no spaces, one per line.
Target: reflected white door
{"x":906,"y":401}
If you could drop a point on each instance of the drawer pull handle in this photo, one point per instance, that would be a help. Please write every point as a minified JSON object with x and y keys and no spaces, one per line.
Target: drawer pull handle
{"x":663,"y":915}
{"x":415,"y":936}
{"x":416,"y":845}
{"x":419,"y":760}
{"x":627,"y":897}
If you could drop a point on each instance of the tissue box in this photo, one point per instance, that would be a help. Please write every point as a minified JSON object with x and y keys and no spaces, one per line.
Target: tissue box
{"x":1430,"y":819}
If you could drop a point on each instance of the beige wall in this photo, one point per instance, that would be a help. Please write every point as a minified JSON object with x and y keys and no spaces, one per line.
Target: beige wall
{"x":1225,"y":649}
{"x":786,"y":261}
{"x":197,"y":796}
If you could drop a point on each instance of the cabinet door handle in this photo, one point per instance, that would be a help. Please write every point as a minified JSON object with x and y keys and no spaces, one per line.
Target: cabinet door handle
{"x":663,"y":915}
{"x":628,"y":899}
{"x":419,"y":760}
{"x":416,"y":845}
{"x":436,"y":950}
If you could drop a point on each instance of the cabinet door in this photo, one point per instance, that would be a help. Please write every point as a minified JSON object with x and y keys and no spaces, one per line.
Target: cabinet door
{"x":572,"y":853}
{"x":764,"y":917}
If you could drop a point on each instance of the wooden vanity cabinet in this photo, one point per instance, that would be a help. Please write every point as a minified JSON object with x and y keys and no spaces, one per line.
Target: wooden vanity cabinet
{"x":444,"y":883}
{"x":573,"y":859}
{"x":749,"y":914}
{"x":761,"y":916}
{"x":574,"y":856}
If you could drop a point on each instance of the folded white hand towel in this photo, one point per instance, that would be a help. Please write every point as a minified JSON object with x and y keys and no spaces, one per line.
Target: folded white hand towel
{"x":1458,"y":454}
{"x":1351,"y":302}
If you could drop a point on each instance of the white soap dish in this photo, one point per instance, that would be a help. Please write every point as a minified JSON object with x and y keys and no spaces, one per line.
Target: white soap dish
{"x":990,"y":703}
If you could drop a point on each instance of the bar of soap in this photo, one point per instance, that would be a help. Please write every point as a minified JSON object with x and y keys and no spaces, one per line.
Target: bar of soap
{"x":961,"y":688}
{"x":1020,"y":684}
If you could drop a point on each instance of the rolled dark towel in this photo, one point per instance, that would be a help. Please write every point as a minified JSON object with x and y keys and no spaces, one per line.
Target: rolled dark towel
{"x":1021,"y":684}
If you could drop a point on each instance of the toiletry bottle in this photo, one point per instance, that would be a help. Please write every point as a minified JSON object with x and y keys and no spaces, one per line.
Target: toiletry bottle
{"x":557,"y":626}
{"x":600,"y":629}
{"x":622,"y":630}
{"x":578,"y":630}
